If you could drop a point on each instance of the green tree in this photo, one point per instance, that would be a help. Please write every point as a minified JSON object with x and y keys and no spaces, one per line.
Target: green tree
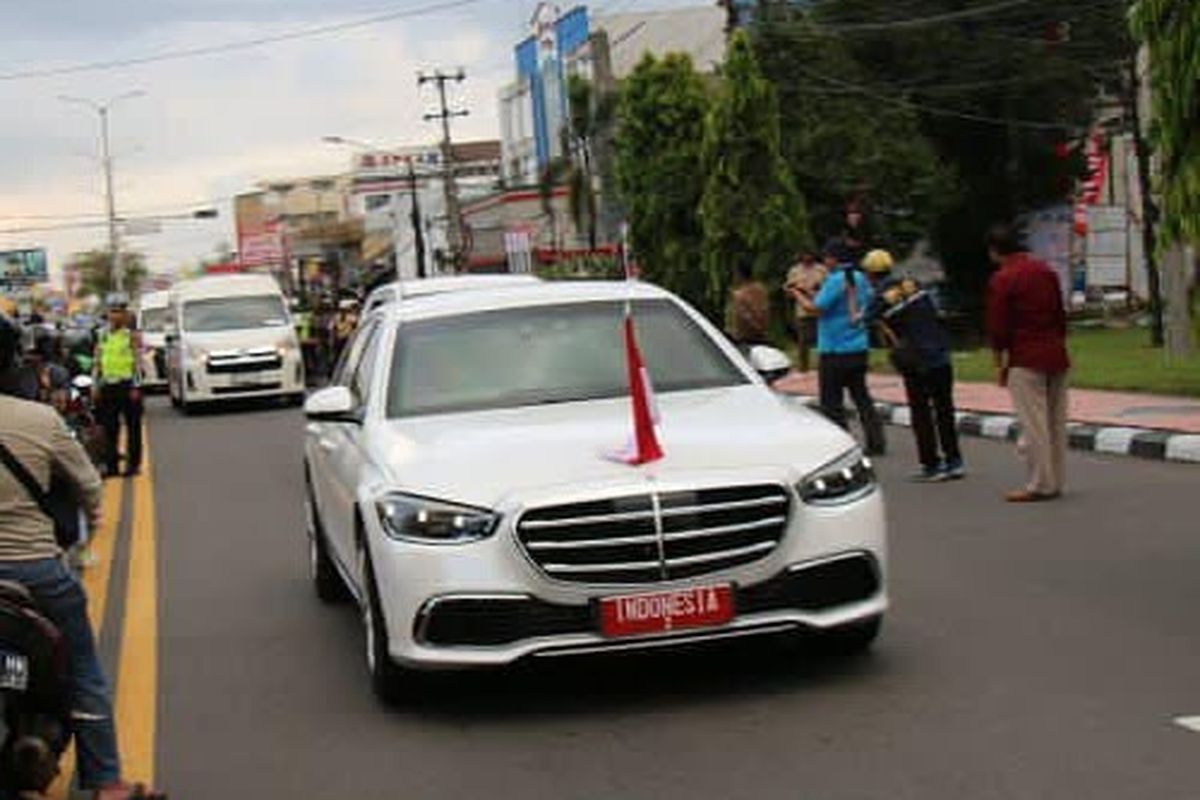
{"x":844,"y":146}
{"x":660,"y":129}
{"x":998,"y":91}
{"x":96,"y":271}
{"x":590,"y":116}
{"x":1170,"y":29}
{"x":753,"y":216}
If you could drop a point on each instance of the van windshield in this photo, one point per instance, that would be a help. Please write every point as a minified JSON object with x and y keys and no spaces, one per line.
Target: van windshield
{"x":153,"y":320}
{"x":234,"y":313}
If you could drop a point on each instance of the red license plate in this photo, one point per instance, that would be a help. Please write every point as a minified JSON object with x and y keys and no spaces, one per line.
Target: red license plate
{"x":660,"y":612}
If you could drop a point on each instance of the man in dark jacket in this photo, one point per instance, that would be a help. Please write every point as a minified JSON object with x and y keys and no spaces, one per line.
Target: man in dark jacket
{"x":911,"y":327}
{"x":1027,"y":327}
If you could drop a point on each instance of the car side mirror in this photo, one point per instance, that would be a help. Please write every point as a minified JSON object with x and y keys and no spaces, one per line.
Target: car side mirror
{"x":770,"y":363}
{"x":332,"y":404}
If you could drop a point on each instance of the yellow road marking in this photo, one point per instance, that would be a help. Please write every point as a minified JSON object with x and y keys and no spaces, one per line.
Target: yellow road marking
{"x":137,"y":675}
{"x":95,"y":582}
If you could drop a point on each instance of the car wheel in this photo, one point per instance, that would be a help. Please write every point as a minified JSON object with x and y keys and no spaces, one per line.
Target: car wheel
{"x":327,"y":582}
{"x":852,"y":639}
{"x":388,"y":680}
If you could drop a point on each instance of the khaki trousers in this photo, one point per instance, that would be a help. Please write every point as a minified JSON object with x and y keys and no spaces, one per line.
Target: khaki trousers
{"x":1040,"y":400}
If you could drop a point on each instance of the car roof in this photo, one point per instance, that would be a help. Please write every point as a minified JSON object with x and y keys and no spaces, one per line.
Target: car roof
{"x":159,"y":299}
{"x":541,"y":293}
{"x":449,"y":283}
{"x":225,"y":286}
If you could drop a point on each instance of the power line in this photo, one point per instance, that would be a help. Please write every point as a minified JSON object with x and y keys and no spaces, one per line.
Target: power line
{"x":940,"y":111}
{"x":242,"y":44}
{"x":920,"y":22}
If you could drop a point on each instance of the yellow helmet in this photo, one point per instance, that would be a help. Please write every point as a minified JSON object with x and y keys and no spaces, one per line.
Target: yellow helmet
{"x":878,"y":261}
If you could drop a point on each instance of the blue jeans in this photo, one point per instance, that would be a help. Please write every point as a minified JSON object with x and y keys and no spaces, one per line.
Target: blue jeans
{"x":60,"y":596}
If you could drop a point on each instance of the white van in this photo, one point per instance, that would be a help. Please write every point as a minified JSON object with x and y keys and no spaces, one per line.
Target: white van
{"x":231,"y":336}
{"x":152,"y":315}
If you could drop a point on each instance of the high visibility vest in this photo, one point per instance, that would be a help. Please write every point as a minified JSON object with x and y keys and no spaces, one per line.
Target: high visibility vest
{"x":118,"y":362}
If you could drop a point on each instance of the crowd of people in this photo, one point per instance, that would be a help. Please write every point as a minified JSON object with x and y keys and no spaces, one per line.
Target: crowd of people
{"x":854,"y":300}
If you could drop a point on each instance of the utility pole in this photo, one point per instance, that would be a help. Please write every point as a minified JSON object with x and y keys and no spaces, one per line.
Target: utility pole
{"x":110,"y":203}
{"x":454,"y":231}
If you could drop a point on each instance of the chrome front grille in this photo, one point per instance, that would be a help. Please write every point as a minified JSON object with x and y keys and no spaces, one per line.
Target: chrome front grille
{"x":656,"y":536}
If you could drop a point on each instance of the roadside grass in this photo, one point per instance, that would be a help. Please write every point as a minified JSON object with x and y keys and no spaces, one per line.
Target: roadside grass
{"x":1117,"y":359}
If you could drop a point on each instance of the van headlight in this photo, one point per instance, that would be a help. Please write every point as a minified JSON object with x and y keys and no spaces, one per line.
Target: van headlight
{"x":843,"y":480}
{"x":420,"y":519}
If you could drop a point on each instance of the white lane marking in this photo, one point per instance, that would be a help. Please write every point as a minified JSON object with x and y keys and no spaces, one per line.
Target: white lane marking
{"x":1192,"y":723}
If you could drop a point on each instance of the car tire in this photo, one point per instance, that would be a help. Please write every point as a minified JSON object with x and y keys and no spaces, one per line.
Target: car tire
{"x":852,"y":639}
{"x":327,"y":581}
{"x":389,"y":681}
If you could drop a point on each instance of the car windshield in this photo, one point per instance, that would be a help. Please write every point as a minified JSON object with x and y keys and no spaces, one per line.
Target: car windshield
{"x":154,"y":320}
{"x":549,"y":354}
{"x":233,"y":313}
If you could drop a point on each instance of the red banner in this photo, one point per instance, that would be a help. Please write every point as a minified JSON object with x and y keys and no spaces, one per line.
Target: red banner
{"x":1092,"y":189}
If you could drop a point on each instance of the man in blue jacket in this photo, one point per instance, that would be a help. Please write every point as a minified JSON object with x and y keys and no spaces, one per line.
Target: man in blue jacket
{"x":842,"y":342}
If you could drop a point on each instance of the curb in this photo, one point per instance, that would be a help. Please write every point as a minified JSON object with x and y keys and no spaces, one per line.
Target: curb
{"x":1148,"y":443}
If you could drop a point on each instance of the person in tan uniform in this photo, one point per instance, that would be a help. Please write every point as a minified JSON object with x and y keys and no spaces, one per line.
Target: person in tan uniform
{"x":34,"y":443}
{"x":804,"y":279}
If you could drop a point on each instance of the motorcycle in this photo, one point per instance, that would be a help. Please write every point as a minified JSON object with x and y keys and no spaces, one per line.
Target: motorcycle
{"x":76,"y":408}
{"x":35,"y":691}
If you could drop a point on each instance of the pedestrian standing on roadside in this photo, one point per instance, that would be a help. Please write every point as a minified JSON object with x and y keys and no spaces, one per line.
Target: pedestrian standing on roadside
{"x":841,"y":306}
{"x":748,"y":314}
{"x":1027,"y":328}
{"x":803,"y":281}
{"x":910,"y":327}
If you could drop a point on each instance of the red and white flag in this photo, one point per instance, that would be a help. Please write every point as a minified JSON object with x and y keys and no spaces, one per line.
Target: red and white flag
{"x":643,"y":446}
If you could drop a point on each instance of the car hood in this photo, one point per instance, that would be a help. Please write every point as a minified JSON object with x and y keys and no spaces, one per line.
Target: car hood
{"x":488,"y":458}
{"x":240,"y":339}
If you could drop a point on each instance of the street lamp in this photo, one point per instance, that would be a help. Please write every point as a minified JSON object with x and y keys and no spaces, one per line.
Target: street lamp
{"x":102,"y":109}
{"x":414,"y":213}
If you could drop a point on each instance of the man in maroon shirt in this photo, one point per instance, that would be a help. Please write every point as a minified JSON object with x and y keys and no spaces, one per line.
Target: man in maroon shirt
{"x":1027,"y":328}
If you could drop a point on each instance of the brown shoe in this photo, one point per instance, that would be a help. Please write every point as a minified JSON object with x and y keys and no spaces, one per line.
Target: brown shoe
{"x":127,"y":791}
{"x":1026,"y":496}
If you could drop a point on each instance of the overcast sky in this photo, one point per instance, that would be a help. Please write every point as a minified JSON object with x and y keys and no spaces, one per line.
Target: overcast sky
{"x":209,"y":127}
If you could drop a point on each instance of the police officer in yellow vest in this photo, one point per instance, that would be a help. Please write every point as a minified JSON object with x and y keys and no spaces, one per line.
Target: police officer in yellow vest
{"x":118,"y":387}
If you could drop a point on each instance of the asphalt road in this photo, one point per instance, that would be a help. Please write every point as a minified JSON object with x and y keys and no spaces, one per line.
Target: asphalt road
{"x":1031,"y":652}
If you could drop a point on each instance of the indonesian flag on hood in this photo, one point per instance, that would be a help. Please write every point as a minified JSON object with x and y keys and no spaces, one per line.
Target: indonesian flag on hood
{"x":643,"y":446}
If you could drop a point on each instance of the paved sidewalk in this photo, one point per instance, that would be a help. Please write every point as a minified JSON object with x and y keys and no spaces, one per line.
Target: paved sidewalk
{"x":1150,"y":426}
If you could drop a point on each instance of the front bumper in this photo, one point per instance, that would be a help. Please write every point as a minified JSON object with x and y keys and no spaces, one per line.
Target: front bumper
{"x":202,"y":385}
{"x":486,"y":604}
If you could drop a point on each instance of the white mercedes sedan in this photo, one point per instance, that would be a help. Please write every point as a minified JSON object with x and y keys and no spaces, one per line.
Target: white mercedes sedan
{"x":462,"y":488}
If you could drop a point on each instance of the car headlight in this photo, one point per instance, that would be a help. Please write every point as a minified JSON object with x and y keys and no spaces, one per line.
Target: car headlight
{"x":419,"y":519}
{"x":286,"y":347}
{"x":843,"y":480}
{"x":195,"y":353}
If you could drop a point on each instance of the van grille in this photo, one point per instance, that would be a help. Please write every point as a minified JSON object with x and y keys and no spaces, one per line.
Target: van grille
{"x":644,"y":538}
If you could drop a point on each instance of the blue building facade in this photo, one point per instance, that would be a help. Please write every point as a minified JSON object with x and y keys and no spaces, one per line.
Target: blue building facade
{"x":540,"y":61}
